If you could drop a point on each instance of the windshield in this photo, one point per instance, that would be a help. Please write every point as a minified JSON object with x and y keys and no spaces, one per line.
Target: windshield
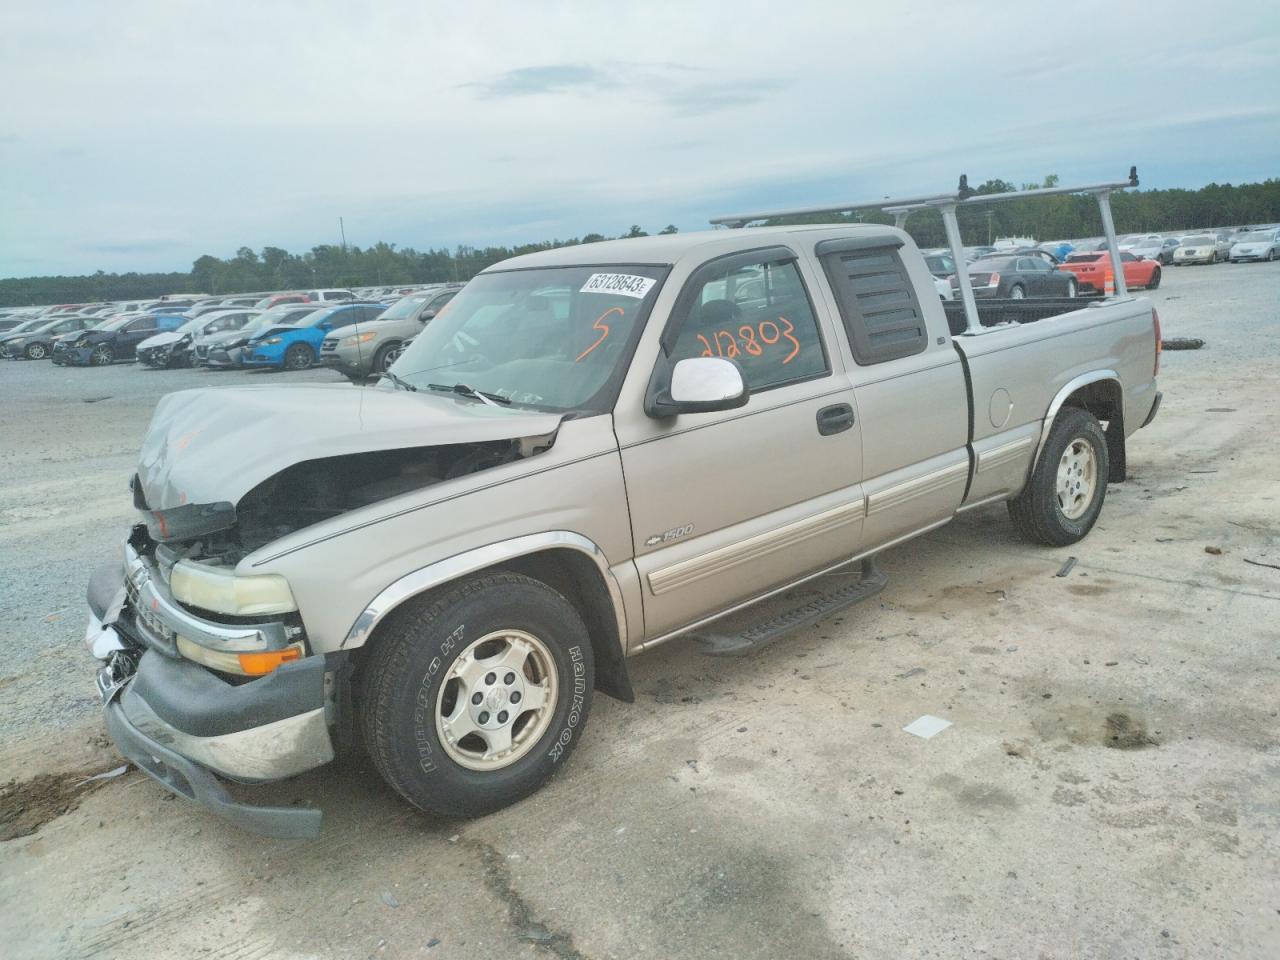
{"x":116,"y":322}
{"x":1256,"y":236}
{"x":32,"y":324}
{"x":405,"y":307}
{"x":940,"y":265}
{"x":556,"y":338}
{"x":1145,"y":244}
{"x":993,"y":263}
{"x":1192,"y":241}
{"x":310,"y":319}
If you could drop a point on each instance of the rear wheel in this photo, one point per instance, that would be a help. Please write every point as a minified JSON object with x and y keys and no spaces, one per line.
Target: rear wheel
{"x":1071,"y":287}
{"x":102,"y":355}
{"x":299,"y":357}
{"x":1017,"y":293}
{"x":36,"y":351}
{"x":1064,"y":496}
{"x":1154,"y":281}
{"x":473,"y":698}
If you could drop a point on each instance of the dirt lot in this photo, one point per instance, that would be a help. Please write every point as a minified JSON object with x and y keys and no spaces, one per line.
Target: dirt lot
{"x":1110,"y":786}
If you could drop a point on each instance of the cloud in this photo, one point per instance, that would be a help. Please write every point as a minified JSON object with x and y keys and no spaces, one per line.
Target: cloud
{"x":544,"y":121}
{"x":552,"y":78}
{"x":699,"y":99}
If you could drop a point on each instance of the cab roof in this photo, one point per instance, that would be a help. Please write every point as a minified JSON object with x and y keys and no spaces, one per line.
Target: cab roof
{"x":668,"y":249}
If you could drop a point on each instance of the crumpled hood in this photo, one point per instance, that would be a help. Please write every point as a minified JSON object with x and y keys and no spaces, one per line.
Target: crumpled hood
{"x":160,"y":340}
{"x":213,"y":445}
{"x":221,"y":337}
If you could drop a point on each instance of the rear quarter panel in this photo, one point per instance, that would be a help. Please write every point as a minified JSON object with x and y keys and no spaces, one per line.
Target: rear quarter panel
{"x":1017,"y":371}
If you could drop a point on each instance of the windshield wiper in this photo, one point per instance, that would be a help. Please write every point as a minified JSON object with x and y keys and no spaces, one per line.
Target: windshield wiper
{"x":462,"y":390}
{"x":399,"y":382}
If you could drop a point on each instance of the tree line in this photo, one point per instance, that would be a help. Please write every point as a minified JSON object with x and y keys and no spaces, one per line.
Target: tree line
{"x":384,"y":264}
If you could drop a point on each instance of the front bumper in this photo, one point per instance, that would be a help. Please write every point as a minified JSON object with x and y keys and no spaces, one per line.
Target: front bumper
{"x":186,"y":726}
{"x":218,"y":358}
{"x":257,"y":357}
{"x":348,"y":363}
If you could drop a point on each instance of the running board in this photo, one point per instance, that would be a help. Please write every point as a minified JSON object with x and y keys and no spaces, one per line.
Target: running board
{"x":762,"y":623}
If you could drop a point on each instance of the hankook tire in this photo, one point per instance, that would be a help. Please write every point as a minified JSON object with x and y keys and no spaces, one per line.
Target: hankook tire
{"x":474,"y":696}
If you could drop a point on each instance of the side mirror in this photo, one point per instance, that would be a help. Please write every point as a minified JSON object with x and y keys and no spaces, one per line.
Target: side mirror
{"x":326,"y":326}
{"x":696,"y":385}
{"x":426,"y":315}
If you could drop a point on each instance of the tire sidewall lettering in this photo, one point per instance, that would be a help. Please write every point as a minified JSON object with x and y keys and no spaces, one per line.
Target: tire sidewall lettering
{"x":579,"y":671}
{"x":424,"y":701}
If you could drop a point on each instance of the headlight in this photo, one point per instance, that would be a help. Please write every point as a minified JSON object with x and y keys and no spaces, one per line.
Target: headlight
{"x":82,"y":343}
{"x":220,"y":590}
{"x":358,"y":338}
{"x":254,"y":664}
{"x":16,"y":343}
{"x":274,"y":340}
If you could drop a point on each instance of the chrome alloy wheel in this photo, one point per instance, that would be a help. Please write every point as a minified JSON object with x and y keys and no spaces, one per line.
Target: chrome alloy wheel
{"x":1077,"y":479}
{"x":497,"y":700}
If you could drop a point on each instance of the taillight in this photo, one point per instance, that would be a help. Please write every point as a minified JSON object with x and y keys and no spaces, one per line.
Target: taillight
{"x":1155,"y":323}
{"x":994,"y":281}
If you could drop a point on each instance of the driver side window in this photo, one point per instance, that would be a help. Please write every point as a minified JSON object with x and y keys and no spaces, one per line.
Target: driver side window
{"x":757,"y":314}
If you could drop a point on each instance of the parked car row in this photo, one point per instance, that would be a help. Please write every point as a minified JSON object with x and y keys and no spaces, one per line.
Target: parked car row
{"x":281,"y":331}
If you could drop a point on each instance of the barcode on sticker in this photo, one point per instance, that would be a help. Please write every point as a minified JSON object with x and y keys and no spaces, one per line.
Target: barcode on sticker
{"x":623,"y":284}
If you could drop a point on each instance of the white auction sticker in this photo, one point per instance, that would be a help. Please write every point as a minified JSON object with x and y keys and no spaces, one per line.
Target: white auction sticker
{"x":623,"y":284}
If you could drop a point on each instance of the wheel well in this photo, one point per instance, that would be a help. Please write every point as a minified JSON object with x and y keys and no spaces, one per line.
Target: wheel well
{"x":1105,"y":400}
{"x":575,"y":577}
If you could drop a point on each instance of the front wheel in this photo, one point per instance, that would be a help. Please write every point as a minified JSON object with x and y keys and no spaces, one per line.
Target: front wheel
{"x":472,"y":699}
{"x":1064,"y":496}
{"x":298,"y":357}
{"x":102,"y":355}
{"x":385,"y":357}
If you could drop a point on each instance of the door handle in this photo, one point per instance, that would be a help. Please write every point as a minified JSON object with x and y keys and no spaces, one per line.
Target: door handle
{"x":835,"y":419}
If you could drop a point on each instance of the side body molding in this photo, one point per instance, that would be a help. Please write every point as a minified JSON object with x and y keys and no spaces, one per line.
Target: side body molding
{"x":444,"y":571}
{"x":1070,"y":387}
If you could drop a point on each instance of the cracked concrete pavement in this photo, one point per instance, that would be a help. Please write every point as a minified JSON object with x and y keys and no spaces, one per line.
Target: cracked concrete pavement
{"x":1109,"y":785}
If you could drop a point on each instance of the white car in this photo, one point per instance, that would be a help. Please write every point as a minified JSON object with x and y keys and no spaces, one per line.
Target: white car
{"x":323,"y":296}
{"x":1256,"y":245}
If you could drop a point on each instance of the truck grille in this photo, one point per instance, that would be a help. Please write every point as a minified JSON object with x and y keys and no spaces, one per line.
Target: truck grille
{"x":150,"y":628}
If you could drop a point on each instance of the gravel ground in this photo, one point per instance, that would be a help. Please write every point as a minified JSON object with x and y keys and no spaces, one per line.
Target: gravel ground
{"x":1108,"y":788}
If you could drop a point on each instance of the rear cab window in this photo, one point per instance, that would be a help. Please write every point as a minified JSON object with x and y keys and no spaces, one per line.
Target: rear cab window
{"x":876,"y":298}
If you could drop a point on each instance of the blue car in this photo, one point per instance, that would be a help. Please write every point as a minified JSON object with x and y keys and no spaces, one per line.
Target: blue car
{"x":296,"y":346}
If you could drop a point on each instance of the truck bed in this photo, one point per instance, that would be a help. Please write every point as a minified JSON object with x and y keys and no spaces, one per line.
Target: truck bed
{"x":993,"y":312}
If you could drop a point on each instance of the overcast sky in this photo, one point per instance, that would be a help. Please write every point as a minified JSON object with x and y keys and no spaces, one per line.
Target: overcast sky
{"x":139,"y":134}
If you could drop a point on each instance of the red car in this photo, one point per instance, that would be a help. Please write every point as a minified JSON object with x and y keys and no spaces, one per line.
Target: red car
{"x":1091,"y":270}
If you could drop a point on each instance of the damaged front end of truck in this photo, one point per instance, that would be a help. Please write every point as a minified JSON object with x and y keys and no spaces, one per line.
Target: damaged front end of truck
{"x":208,"y":671}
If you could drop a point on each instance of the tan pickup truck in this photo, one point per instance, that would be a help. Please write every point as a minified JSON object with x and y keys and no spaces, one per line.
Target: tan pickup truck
{"x":590,"y":451}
